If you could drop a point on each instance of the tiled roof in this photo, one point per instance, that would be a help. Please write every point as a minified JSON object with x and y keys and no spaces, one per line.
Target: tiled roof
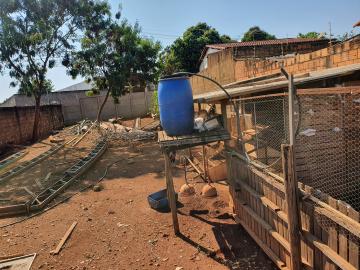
{"x":263,"y":42}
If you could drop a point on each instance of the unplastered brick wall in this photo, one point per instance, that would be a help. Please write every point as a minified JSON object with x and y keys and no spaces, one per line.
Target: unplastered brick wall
{"x":225,"y":69}
{"x":16,"y":123}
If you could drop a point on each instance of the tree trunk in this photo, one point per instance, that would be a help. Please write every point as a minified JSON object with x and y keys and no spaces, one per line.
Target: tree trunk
{"x":102,"y":106}
{"x":36,"y":118}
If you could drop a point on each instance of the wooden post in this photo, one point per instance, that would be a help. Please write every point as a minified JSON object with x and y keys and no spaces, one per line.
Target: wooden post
{"x":171,"y":193}
{"x":205,"y":164}
{"x":291,"y":109}
{"x":292,"y":201}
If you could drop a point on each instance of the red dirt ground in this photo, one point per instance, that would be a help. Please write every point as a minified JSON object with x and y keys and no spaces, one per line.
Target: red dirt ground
{"x":118,"y":230}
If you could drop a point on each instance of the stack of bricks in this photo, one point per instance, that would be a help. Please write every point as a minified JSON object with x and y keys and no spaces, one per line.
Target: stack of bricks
{"x":341,"y":54}
{"x":16,"y":123}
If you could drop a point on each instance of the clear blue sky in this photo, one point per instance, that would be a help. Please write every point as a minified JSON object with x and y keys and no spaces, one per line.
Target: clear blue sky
{"x":165,"y":20}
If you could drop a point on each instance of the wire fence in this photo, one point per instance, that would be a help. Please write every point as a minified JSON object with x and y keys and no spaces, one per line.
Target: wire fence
{"x":264,"y":126}
{"x":328,"y":145}
{"x":327,"y":139}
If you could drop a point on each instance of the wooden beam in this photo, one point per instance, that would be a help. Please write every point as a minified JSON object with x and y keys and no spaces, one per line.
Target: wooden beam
{"x":279,"y":263}
{"x":171,"y":193}
{"x":63,"y":239}
{"x":265,"y":201}
{"x":281,"y":240}
{"x":328,"y":252}
{"x":291,"y":109}
{"x":339,"y":218}
{"x":292,"y":200}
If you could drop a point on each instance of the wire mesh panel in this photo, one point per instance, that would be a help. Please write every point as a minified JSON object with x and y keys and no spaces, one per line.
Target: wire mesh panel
{"x":264,"y":126}
{"x":328,"y":144}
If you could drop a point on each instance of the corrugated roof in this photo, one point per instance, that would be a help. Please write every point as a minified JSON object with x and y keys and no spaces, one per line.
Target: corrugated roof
{"x":263,"y":42}
{"x":254,"y":89}
{"x":77,"y":87}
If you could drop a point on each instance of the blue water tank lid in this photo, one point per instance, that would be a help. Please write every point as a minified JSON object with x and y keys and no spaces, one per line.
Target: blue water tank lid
{"x":174,"y":76}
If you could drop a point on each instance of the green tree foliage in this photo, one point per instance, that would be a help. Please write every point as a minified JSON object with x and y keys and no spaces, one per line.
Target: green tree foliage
{"x":34,"y":35}
{"x":255,"y":33}
{"x":154,"y":109}
{"x":309,"y":35}
{"x":185,"y":52}
{"x":114,"y":57}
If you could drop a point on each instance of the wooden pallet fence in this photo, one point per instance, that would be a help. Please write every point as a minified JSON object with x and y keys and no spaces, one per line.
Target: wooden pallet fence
{"x":330,"y":229}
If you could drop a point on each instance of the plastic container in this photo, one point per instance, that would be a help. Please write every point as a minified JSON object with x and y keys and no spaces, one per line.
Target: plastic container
{"x":158,"y":200}
{"x":176,"y":106}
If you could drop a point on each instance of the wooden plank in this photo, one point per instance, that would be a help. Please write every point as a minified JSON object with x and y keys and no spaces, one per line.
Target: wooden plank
{"x":333,"y":235}
{"x":309,"y":210}
{"x":64,"y":239}
{"x":263,"y":246}
{"x":171,"y":193}
{"x":343,"y":241}
{"x":354,"y":242}
{"x":337,"y":217}
{"x":291,"y":196}
{"x":275,"y":235}
{"x":329,"y":253}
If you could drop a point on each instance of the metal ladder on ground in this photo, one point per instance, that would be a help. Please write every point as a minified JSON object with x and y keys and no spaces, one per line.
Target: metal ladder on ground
{"x":68,"y":177}
{"x":30,"y":163}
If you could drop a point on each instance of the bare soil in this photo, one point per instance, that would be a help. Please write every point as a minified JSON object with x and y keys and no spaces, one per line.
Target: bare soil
{"x":118,"y":230}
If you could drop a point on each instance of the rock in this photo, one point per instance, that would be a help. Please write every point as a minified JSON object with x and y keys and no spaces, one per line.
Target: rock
{"x":111,"y":212}
{"x":121,"y":225}
{"x":165,"y":235}
{"x":113,"y":120}
{"x":97,"y":188}
{"x":179,"y":268}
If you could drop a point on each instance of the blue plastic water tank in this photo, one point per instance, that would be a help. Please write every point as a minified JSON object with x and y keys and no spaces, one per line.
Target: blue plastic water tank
{"x":176,"y":106}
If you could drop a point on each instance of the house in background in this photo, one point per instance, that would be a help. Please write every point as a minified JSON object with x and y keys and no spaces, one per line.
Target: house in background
{"x":265,"y":48}
{"x":76,"y":105}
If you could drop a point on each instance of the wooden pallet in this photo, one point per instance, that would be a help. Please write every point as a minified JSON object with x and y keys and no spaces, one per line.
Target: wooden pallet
{"x":185,"y":141}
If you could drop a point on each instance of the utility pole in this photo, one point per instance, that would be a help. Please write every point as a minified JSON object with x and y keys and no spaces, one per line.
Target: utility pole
{"x":330,"y":34}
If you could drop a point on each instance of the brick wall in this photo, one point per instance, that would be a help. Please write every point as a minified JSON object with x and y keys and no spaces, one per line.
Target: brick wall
{"x":232,"y":70}
{"x":278,"y":50}
{"x":16,"y":123}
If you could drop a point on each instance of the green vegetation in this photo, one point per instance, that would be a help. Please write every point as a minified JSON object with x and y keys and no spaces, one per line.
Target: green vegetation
{"x":185,"y":52}
{"x":310,"y":35}
{"x":154,"y":109}
{"x":114,"y":57}
{"x":34,"y":35}
{"x":255,"y":33}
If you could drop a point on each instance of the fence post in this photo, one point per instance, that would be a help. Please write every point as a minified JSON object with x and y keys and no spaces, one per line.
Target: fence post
{"x":291,"y":109}
{"x":292,"y":201}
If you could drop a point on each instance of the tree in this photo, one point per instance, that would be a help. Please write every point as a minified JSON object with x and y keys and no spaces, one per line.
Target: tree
{"x":185,"y":52}
{"x":310,"y":35}
{"x":113,"y":56}
{"x":34,"y":35}
{"x":255,"y":33}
